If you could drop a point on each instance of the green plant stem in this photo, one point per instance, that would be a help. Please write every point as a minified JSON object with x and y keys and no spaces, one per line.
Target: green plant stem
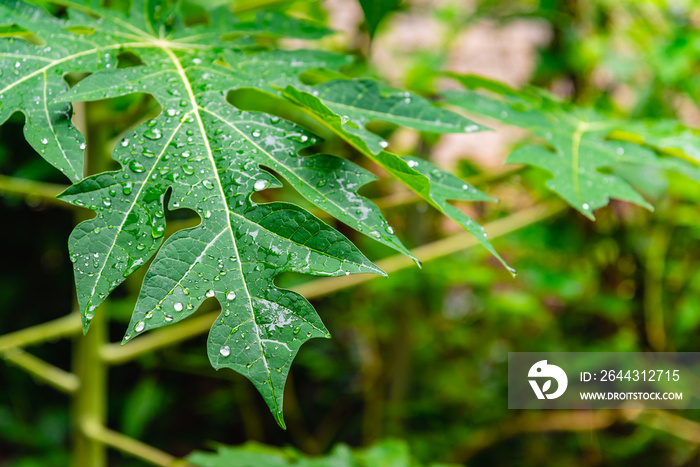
{"x":90,"y":400}
{"x":52,"y":375}
{"x":69,"y":325}
{"x":653,"y":287}
{"x":130,"y":446}
{"x":434,"y":250}
{"x":40,"y":191}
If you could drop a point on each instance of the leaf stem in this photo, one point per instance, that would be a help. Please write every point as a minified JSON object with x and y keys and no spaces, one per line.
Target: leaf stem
{"x":50,"y":374}
{"x":90,"y":400}
{"x":130,"y":446}
{"x":655,"y":260}
{"x":41,"y":191}
{"x":116,"y":354}
{"x":68,"y":325}
{"x":438,"y":249}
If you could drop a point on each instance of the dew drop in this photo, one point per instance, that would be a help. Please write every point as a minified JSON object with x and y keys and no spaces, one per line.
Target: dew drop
{"x":136,"y":167}
{"x":153,"y":133}
{"x":231,"y":295}
{"x":210,"y":293}
{"x":125,"y":142}
{"x":168,"y":318}
{"x":383,"y":144}
{"x":585,"y":206}
{"x":44,"y":141}
{"x":140,"y":326}
{"x":225,"y":351}
{"x":178,"y":306}
{"x":261,"y":185}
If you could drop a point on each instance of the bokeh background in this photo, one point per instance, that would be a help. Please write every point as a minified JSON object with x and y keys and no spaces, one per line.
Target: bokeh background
{"x":420,"y":357}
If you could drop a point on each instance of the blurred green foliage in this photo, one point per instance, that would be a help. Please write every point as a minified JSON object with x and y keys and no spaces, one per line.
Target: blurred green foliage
{"x":419,"y":356}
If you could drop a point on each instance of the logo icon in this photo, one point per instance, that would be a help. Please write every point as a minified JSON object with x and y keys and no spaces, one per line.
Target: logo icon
{"x":542,"y":370}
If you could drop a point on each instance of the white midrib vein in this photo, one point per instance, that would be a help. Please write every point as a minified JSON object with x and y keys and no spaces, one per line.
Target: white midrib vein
{"x":150,"y":44}
{"x":195,"y":106}
{"x":55,"y":136}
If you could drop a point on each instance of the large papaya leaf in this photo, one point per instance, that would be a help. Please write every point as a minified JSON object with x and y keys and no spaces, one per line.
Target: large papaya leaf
{"x":576,"y":145}
{"x":209,"y":155}
{"x":346,"y":106}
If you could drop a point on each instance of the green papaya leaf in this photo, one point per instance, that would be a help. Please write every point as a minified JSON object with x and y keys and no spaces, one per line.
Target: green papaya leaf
{"x":444,"y":187}
{"x":577,"y":148}
{"x":207,"y":156}
{"x":360,"y":101}
{"x":346,"y":106}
